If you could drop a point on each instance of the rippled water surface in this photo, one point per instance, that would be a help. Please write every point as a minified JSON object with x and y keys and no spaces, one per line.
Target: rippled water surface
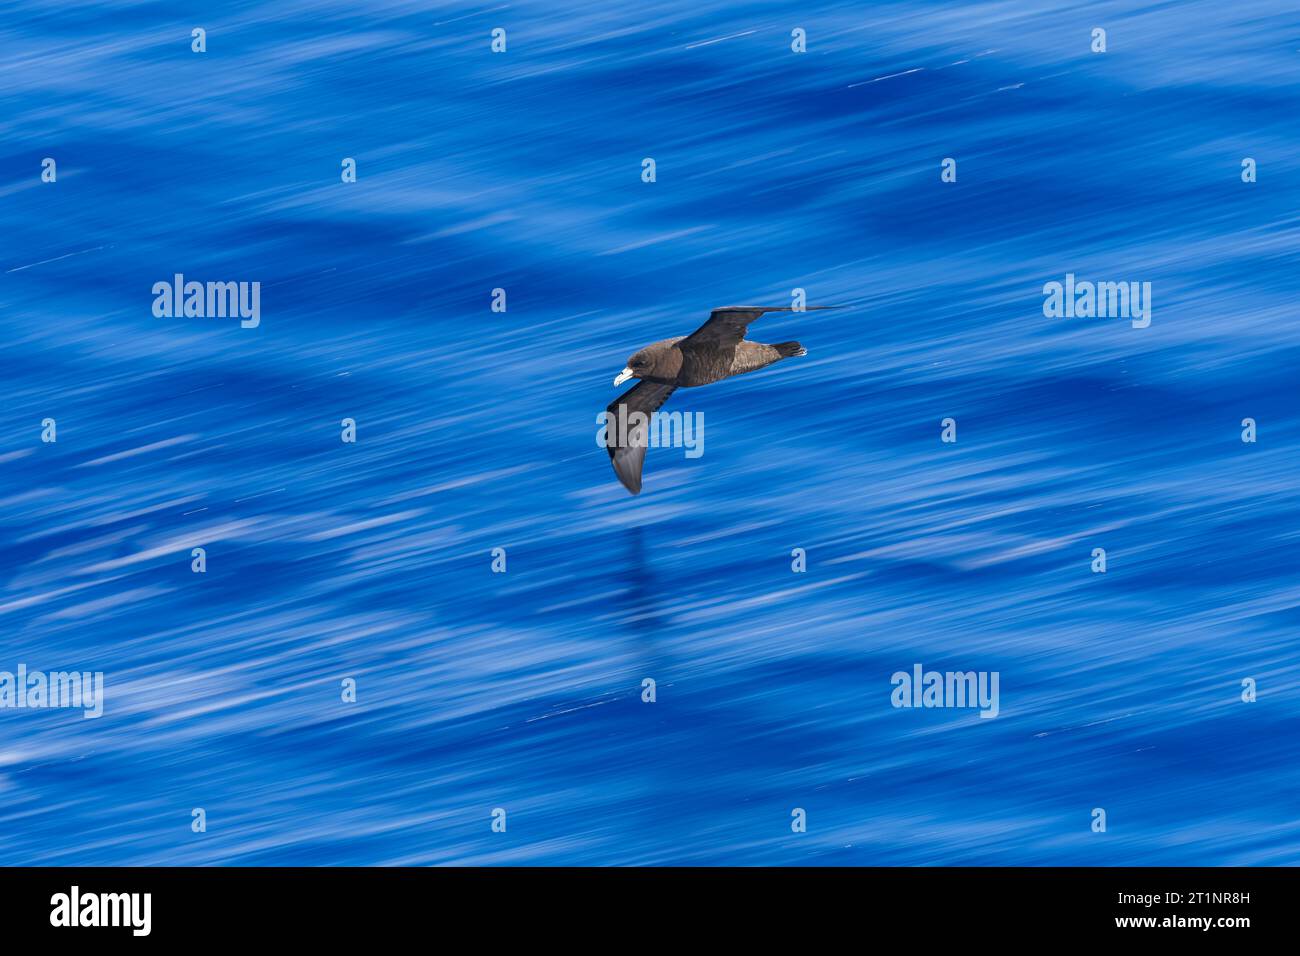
{"x":522,"y":690}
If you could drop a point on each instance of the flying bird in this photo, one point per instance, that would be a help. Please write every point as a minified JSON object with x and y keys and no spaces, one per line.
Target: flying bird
{"x":716,"y":350}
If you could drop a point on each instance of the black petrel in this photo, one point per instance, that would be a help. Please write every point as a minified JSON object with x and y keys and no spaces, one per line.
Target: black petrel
{"x":716,"y":350}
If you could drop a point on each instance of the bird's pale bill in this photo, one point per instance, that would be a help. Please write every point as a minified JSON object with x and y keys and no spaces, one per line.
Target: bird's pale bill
{"x":623,"y":376}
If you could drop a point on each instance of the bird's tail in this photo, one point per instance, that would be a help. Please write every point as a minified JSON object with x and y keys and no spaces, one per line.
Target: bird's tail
{"x":788,"y":349}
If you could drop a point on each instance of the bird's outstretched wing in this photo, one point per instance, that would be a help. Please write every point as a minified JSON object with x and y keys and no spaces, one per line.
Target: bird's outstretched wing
{"x":626,"y":438}
{"x":707,"y":353}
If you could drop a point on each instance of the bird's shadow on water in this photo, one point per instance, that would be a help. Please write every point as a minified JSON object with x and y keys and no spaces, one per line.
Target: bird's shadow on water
{"x":643,"y":608}
{"x":652,"y":728}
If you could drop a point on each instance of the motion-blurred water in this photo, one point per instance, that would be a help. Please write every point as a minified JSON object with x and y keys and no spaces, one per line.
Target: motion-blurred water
{"x":476,"y":430}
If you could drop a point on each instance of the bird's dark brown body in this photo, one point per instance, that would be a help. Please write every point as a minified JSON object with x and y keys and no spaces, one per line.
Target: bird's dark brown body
{"x":716,"y":350}
{"x":690,"y":368}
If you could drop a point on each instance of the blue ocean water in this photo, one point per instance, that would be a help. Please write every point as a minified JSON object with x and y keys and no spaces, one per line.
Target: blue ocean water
{"x":775,"y":170}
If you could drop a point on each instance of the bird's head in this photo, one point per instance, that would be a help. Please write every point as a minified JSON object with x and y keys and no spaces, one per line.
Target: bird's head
{"x":660,"y":361}
{"x":638,"y":366}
